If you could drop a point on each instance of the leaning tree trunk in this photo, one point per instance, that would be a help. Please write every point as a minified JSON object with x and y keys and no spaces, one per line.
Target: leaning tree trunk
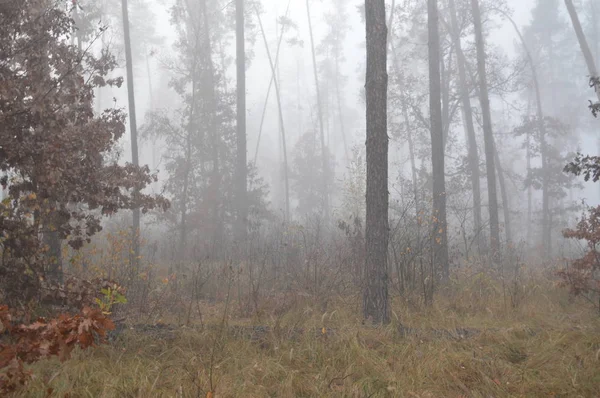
{"x":375,"y":299}
{"x":133,"y":128}
{"x":439,"y":236}
{"x":324,"y":158}
{"x":242,"y":170}
{"x":487,"y":131}
{"x":473,"y":155}
{"x":274,"y":77}
{"x":583,"y":44}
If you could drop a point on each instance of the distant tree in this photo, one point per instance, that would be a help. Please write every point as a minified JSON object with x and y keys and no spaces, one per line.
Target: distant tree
{"x":548,"y":140}
{"x":583,"y":44}
{"x":132,"y":128}
{"x":439,"y":231}
{"x":320,"y":111}
{"x":376,"y":300}
{"x":487,"y":129}
{"x":200,"y":136}
{"x":331,"y":51}
{"x":241,"y":153}
{"x":51,"y":143}
{"x":465,"y":95}
{"x":307,"y":174}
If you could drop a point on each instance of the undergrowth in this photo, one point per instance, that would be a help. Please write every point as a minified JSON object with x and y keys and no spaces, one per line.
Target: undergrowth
{"x":544,"y":345}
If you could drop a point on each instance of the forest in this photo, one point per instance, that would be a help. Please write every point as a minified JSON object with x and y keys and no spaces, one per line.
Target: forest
{"x":299,"y":198}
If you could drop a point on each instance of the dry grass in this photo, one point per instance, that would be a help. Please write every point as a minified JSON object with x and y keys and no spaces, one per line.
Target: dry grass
{"x":561,"y":359}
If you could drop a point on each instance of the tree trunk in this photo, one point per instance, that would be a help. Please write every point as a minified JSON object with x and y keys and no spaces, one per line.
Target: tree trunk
{"x":473,"y":154}
{"x":375,"y":299}
{"x":583,"y":44}
{"x":324,"y":158}
{"x":546,"y":231}
{"x":285,"y":159}
{"x":487,"y":131}
{"x":133,"y":128}
{"x":242,"y":170}
{"x":209,"y":88}
{"x":529,"y":190}
{"x":273,"y":77}
{"x":439,"y":236}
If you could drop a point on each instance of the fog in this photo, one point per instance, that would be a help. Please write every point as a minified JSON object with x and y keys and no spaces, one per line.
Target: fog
{"x":295,"y":77}
{"x":299,"y":197}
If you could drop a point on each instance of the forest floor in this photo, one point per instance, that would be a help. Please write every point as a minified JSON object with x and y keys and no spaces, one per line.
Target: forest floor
{"x":529,"y":340}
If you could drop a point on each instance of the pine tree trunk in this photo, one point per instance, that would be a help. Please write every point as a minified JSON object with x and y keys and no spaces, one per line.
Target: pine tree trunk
{"x":487,"y":131}
{"x":375,"y":299}
{"x":439,"y":236}
{"x":324,"y":158}
{"x":473,"y":154}
{"x":209,"y":89}
{"x":133,"y":129}
{"x":583,"y":44}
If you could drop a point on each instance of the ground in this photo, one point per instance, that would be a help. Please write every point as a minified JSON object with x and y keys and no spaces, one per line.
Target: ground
{"x":530,"y":340}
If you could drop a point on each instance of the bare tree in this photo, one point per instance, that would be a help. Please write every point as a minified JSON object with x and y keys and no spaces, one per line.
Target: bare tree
{"x":439,"y":234}
{"x":375,"y":299}
{"x":487,"y":129}
{"x":132,"y":128}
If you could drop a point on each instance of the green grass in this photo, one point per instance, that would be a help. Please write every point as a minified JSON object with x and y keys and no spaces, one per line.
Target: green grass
{"x":562,"y":358}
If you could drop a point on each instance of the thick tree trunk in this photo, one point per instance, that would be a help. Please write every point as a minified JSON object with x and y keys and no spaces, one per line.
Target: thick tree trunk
{"x":242,"y":170}
{"x":375,"y":299}
{"x":439,"y":234}
{"x":487,"y":130}
{"x":133,"y":128}
{"x":473,"y":154}
{"x":324,"y":157}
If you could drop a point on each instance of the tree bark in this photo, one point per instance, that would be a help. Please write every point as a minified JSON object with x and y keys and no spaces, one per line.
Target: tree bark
{"x":375,"y":299}
{"x":487,"y":130}
{"x":133,"y":129}
{"x":324,"y":157}
{"x":242,"y":170}
{"x":473,"y":154}
{"x":439,"y":234}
